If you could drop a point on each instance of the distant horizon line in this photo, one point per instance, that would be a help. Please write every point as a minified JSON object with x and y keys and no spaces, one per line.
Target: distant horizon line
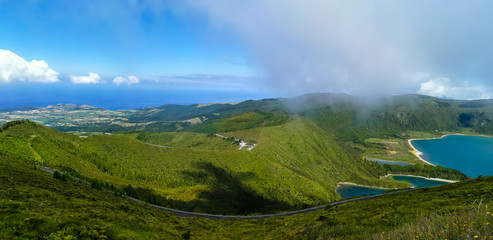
{"x":31,"y":107}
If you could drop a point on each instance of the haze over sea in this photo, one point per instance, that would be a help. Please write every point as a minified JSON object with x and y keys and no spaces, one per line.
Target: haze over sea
{"x":114,"y":97}
{"x":472,"y":155}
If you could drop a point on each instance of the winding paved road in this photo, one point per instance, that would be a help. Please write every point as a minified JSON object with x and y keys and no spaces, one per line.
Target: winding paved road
{"x":283,"y":214}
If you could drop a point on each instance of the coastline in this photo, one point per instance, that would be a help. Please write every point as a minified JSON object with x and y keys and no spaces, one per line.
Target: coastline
{"x":361,"y":185}
{"x":418,"y":154}
{"x":427,"y":178}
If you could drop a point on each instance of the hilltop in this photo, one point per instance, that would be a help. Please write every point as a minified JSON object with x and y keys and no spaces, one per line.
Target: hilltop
{"x":294,"y":165}
{"x":303,"y":148}
{"x":348,"y":117}
{"x":36,"y":205}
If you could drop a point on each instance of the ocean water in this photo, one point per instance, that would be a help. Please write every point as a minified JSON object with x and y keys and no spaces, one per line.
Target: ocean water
{"x":419,"y":181}
{"x":109,"y":96}
{"x":347,"y":191}
{"x":471,"y":155}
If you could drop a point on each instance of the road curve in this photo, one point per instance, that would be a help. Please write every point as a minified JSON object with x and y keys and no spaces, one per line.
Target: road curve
{"x":283,"y":214}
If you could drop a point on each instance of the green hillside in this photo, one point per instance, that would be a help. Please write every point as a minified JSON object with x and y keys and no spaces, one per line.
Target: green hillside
{"x":300,"y":149}
{"x":347,"y":117}
{"x":249,"y":120}
{"x":34,"y":205}
{"x":294,"y":165}
{"x":397,"y":116}
{"x":350,"y":118}
{"x":353,"y":118}
{"x":205,"y":111}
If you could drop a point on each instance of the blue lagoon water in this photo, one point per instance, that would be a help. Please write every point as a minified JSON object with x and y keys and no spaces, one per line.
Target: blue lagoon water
{"x":419,"y":181}
{"x":383,"y":162}
{"x":347,"y":191}
{"x":472,"y":155}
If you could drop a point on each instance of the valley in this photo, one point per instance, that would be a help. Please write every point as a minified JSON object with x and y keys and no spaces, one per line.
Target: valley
{"x":262,"y":159}
{"x":270,"y":120}
{"x":67,"y":209}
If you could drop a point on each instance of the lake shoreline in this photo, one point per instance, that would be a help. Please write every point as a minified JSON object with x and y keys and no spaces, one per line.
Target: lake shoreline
{"x":418,"y":154}
{"x":362,"y":185}
{"x":391,"y":162}
{"x":427,"y":178}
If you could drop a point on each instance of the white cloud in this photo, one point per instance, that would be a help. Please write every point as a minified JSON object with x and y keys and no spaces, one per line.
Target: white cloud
{"x":443,"y":87}
{"x":15,"y":68}
{"x":92,"y":78}
{"x":128,"y":80}
{"x":359,"y":47}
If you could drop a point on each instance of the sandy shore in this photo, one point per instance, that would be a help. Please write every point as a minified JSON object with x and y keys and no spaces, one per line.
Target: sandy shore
{"x":361,"y":185}
{"x":418,"y":153}
{"x":433,"y":179}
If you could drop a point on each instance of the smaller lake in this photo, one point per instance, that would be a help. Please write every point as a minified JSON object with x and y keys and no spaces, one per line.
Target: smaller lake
{"x":347,"y":191}
{"x":383,"y":162}
{"x":419,"y":181}
{"x":471,"y":155}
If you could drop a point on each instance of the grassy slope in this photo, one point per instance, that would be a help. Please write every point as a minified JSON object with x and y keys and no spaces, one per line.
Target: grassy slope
{"x":249,"y":120}
{"x":212,"y":111}
{"x":294,"y":153}
{"x":294,"y":165}
{"x":400,"y":115}
{"x":35,"y":205}
{"x":350,"y":117}
{"x":185,"y":140}
{"x":304,"y":148}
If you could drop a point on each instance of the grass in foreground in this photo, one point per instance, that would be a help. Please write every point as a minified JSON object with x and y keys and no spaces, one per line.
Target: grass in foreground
{"x":472,"y":224}
{"x":294,"y":165}
{"x":33,"y":204}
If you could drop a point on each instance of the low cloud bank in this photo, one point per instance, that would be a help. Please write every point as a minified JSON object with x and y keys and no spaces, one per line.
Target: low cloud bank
{"x":363,"y":47}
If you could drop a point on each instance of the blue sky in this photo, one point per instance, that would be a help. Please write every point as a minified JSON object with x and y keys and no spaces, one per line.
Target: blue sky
{"x":158,"y":43}
{"x":217,"y":49}
{"x":116,"y":37}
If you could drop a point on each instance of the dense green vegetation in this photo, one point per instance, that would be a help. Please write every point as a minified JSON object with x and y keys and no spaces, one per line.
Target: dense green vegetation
{"x":304,"y":147}
{"x":347,"y":117}
{"x":396,"y":116}
{"x":295,"y":165}
{"x":34,"y":204}
{"x":350,"y":118}
{"x":186,"y":140}
{"x":427,"y":171}
{"x":249,"y":120}
{"x":387,"y":148}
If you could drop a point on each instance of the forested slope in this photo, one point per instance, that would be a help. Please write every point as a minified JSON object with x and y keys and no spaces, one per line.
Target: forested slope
{"x":293,"y":166}
{"x":34,"y":205}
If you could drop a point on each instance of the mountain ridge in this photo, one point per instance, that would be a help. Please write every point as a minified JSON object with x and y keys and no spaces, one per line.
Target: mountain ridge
{"x":300,"y":156}
{"x":391,"y":115}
